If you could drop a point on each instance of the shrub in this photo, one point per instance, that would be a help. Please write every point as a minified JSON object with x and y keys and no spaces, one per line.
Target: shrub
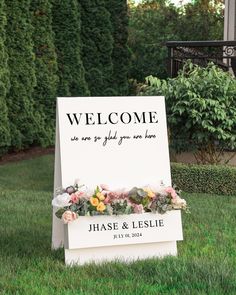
{"x":24,"y":121}
{"x":201,"y":110}
{"x":120,"y":52}
{"x":46,"y":68}
{"x":67,"y":29}
{"x":213,"y":179}
{"x":5,"y":138}
{"x":97,"y":40}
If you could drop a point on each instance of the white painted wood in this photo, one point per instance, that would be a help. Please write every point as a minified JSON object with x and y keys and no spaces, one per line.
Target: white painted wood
{"x":125,"y":253}
{"x":57,"y":224}
{"x":99,"y":231}
{"x":230,"y":20}
{"x":133,"y":163}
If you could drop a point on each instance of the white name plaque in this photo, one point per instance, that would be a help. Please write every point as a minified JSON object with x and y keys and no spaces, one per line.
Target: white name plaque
{"x":99,"y":231}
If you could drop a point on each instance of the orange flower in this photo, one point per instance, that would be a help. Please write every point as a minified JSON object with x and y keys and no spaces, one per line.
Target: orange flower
{"x":94,"y":201}
{"x":101,"y":207}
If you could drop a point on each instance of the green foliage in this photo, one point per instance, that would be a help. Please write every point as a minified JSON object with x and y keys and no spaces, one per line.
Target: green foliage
{"x":122,"y":207}
{"x":46,"y":68}
{"x":152,"y":23}
{"x":120,"y":52}
{"x":97,"y":47}
{"x":5,"y":138}
{"x":66,"y":25}
{"x":212,"y":179}
{"x":24,"y":122}
{"x":201,"y":110}
{"x":138,"y":196}
{"x":201,"y":20}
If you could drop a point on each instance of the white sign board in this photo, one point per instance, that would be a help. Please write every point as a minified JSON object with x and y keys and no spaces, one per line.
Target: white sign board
{"x":100,"y":231}
{"x":119,"y":141}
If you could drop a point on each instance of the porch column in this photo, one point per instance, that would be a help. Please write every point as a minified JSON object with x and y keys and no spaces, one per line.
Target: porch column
{"x":230,"y":20}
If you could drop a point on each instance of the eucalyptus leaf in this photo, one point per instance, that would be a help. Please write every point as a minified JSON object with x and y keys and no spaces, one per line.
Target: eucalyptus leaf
{"x":60,"y":212}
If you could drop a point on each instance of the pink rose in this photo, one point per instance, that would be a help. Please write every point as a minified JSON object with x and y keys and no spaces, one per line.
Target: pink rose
{"x":107,"y":200}
{"x":68,"y":216}
{"x":138,"y":208}
{"x":171,"y":191}
{"x":75,"y":197}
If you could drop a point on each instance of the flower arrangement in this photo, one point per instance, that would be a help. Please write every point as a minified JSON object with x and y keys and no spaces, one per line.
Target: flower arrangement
{"x":76,"y":201}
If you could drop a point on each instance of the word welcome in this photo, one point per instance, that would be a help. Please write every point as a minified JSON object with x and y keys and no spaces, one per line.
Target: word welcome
{"x":112,"y":118}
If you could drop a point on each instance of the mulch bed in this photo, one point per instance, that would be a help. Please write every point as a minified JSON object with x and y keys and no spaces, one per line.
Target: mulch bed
{"x":26,"y":154}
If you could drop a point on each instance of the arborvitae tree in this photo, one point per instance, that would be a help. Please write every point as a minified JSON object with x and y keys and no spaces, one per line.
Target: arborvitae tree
{"x":24,"y":122}
{"x":46,"y":66}
{"x":97,"y":46}
{"x":5,"y":138}
{"x":120,"y":53}
{"x":66,"y":26}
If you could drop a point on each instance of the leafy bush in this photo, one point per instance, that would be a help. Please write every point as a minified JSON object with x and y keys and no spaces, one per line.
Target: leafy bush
{"x":213,"y":179}
{"x":201,"y":109}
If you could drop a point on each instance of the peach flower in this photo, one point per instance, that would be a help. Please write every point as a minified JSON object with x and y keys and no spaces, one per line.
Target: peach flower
{"x":101,"y":207}
{"x":68,"y":216}
{"x":94,"y":201}
{"x":100,"y":196}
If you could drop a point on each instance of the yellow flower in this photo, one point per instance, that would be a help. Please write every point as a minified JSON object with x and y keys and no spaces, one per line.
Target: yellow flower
{"x":149,"y":192}
{"x":94,"y":201}
{"x":101,"y":207}
{"x":100,"y":196}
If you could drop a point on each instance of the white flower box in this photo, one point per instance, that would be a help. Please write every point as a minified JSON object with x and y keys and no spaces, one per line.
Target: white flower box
{"x":101,"y":238}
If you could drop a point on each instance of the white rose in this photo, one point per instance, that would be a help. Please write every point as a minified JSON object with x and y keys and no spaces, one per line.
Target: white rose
{"x":61,"y":200}
{"x":178,"y":203}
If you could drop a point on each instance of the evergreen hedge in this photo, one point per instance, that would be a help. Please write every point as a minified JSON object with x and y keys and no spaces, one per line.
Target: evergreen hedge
{"x":24,"y":122}
{"x":120,"y":52}
{"x":52,"y":48}
{"x":97,"y":47}
{"x":45,"y":91}
{"x":5,"y":138}
{"x":212,"y":179}
{"x":66,"y":25}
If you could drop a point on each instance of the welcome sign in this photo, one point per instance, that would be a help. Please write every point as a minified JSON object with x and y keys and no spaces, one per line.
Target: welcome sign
{"x":120,"y":141}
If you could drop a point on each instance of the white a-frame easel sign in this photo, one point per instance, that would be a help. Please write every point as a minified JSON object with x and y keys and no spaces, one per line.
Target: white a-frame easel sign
{"x":120,"y":141}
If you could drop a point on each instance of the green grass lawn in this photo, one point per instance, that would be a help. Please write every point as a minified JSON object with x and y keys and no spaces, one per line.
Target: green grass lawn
{"x":206,"y":263}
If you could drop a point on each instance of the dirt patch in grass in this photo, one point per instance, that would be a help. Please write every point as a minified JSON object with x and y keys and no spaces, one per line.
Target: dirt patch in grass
{"x":29,"y":153}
